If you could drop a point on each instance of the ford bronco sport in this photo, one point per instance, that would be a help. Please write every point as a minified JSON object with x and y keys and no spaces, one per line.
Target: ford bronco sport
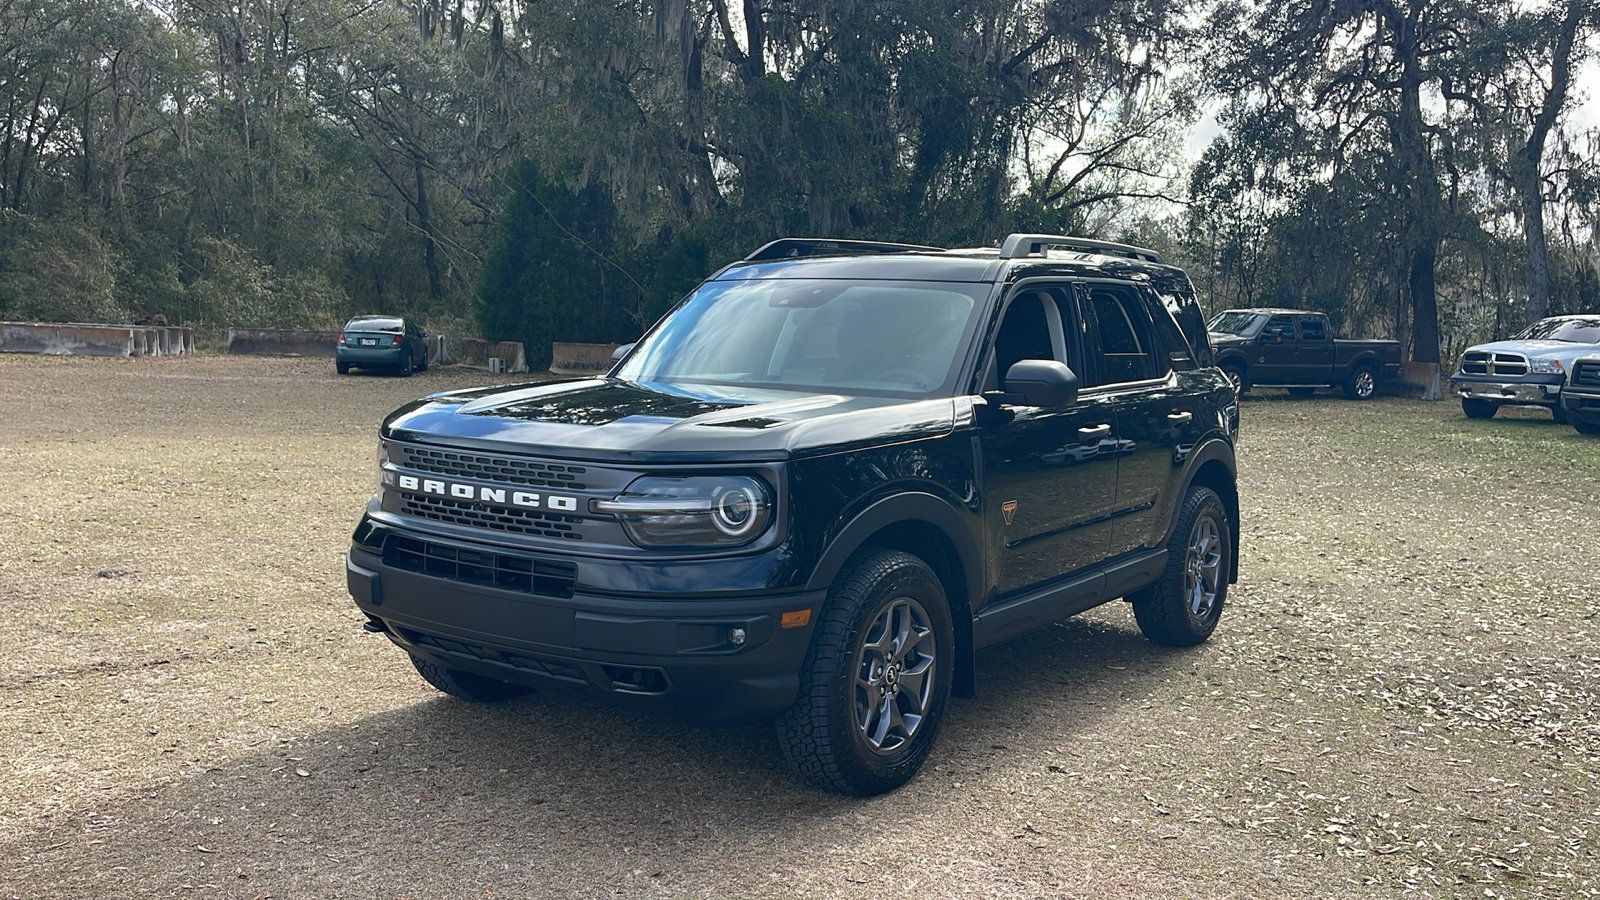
{"x":815,"y":489}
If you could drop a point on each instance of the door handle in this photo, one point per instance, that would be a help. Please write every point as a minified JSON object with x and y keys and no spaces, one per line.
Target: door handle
{"x":1180,"y":418}
{"x":1098,"y":431}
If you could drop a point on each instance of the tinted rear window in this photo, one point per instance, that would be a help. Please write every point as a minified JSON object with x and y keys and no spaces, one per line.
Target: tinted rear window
{"x":394,"y":325}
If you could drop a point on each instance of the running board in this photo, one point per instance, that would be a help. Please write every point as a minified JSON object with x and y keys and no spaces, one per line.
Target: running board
{"x":1052,"y":603}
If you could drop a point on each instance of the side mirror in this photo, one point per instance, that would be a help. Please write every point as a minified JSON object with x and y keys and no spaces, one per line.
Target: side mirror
{"x":1047,"y":383}
{"x":622,"y":351}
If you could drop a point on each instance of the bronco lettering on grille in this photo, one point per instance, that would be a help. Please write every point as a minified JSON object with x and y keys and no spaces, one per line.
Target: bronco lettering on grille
{"x":501,"y":496}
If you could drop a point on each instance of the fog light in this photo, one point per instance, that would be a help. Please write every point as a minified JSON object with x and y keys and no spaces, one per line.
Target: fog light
{"x":736,"y":636}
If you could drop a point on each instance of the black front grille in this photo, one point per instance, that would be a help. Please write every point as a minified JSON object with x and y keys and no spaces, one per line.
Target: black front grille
{"x":477,"y":515}
{"x":1480,"y":362}
{"x":1586,"y":373}
{"x":495,"y":468}
{"x":510,"y":572}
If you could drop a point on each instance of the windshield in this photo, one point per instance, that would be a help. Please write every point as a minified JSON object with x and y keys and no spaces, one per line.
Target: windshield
{"x":847,"y":337}
{"x":1573,"y":331}
{"x":1234,"y":321}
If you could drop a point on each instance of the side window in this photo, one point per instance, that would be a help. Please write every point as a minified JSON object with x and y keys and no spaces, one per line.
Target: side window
{"x":1031,"y":329}
{"x":1280,"y":328}
{"x":1311,"y":329}
{"x":1123,"y":327}
{"x":1171,"y":339}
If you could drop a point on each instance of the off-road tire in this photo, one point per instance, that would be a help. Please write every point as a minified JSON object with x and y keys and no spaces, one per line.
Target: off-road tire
{"x":342,"y":368}
{"x":841,"y":683}
{"x":1362,"y":384}
{"x":467,"y":686}
{"x":1199,"y":553}
{"x":1302,"y":392}
{"x":1479,"y":409}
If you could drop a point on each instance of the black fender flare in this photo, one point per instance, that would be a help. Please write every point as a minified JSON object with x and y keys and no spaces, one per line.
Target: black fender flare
{"x":912,"y":507}
{"x":1214,"y":449}
{"x":948,"y":520}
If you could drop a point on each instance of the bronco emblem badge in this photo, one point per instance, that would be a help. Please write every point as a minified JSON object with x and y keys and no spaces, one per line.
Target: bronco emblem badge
{"x":1009,"y":508}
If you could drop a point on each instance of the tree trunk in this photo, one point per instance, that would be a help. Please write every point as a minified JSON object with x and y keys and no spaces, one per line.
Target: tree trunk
{"x":1526,"y":178}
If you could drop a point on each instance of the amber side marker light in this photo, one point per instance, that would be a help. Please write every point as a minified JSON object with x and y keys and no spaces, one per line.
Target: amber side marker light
{"x":796,"y":619}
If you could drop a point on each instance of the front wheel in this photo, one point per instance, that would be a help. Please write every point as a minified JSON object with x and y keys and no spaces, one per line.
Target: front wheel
{"x":1184,"y":606}
{"x":875,"y":679}
{"x":1585,"y":427}
{"x":466,"y":685}
{"x":424,"y":366}
{"x":1362,"y":384}
{"x":1236,"y":376}
{"x":1478,"y":409}
{"x":1559,"y":413}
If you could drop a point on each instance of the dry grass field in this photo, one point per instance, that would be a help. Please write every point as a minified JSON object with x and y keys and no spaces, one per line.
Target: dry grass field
{"x":1401,"y":698}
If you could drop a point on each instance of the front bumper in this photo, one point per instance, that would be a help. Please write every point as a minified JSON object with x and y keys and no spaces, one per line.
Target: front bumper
{"x":1530,"y":390}
{"x":1581,"y":406}
{"x":673,"y":656}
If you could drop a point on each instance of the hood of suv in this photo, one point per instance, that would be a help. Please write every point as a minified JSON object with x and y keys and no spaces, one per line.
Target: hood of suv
{"x":609,"y":419}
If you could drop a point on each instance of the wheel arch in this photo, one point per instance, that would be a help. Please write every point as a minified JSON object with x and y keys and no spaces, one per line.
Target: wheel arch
{"x":1213,"y":467}
{"x":930,"y":529}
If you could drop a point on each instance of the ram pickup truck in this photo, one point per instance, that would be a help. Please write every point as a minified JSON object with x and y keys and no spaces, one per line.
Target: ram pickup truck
{"x":1296,"y":349}
{"x":815,"y":490}
{"x":1580,"y":397}
{"x":1527,"y":370}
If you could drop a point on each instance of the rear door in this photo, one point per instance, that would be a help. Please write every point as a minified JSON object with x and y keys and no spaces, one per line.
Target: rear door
{"x":1137,"y":349}
{"x":1314,"y":362}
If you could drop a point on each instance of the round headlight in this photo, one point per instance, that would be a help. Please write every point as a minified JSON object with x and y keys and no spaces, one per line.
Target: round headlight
{"x":735,"y":514}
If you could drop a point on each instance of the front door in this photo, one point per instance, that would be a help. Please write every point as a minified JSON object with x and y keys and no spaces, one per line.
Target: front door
{"x":1050,"y":475}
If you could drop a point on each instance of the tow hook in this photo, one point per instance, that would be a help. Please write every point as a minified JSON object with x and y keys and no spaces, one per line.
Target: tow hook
{"x":373,"y":626}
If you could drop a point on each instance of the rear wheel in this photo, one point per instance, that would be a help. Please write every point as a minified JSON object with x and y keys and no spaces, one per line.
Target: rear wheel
{"x":1362,"y":384}
{"x":342,"y":368}
{"x":466,"y":685}
{"x":1478,"y":409}
{"x":875,"y":679}
{"x":1184,"y":606}
{"x":1302,"y":391}
{"x":405,"y":367}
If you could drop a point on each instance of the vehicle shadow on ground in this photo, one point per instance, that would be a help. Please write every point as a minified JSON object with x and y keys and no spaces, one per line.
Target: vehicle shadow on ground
{"x":540,"y":791}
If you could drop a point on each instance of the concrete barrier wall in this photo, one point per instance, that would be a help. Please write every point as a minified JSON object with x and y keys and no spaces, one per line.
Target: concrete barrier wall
{"x":1420,"y":380}
{"x":87,"y":339}
{"x":282,"y":342}
{"x":473,"y":352}
{"x":581,"y":359}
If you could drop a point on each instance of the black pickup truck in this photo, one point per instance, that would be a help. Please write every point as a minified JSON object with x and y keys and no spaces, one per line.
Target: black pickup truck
{"x":1295,"y":349}
{"x":815,"y":490}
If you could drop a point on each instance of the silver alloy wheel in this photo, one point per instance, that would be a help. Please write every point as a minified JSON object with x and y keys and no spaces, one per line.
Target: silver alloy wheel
{"x":1365,"y":384}
{"x":1202,"y":577}
{"x":895,"y":675}
{"x":1236,"y":378}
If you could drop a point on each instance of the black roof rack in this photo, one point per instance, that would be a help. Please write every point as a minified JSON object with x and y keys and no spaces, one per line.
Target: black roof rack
{"x":794,"y":248}
{"x":1018,"y":246}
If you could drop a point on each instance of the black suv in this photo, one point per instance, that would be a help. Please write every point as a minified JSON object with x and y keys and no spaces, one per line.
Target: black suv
{"x":815,"y":489}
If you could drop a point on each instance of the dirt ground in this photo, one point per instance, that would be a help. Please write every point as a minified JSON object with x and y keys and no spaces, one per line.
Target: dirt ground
{"x":1401,"y":698}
